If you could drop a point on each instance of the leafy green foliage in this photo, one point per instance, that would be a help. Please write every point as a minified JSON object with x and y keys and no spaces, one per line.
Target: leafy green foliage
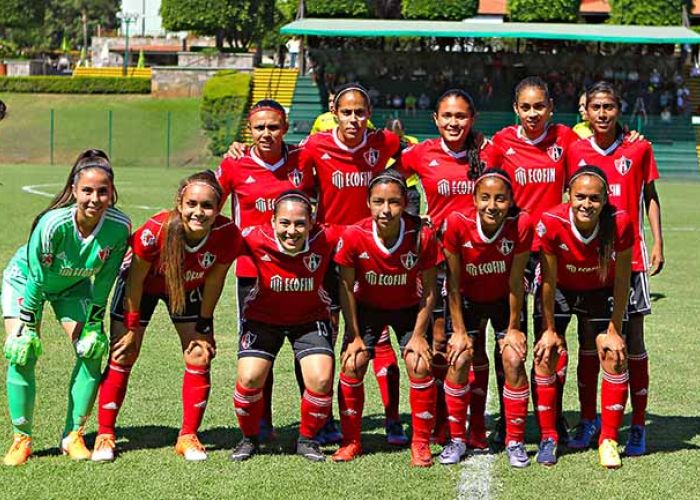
{"x":21,"y":13}
{"x":528,"y":11}
{"x":646,"y":13}
{"x":77,"y":85}
{"x":446,"y":10}
{"x":337,"y":8}
{"x":224,"y":102}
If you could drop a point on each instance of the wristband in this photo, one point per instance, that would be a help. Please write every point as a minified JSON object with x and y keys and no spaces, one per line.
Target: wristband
{"x":27,"y":317}
{"x":132,"y":320}
{"x":205,"y":326}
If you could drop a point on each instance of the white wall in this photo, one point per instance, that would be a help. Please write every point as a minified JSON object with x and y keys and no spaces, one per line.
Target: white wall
{"x":149,"y":21}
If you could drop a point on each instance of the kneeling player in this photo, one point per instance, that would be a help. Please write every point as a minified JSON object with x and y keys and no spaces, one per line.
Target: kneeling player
{"x":387,"y":268}
{"x":586,"y":253}
{"x":180,"y":257}
{"x":486,"y":253}
{"x":291,"y":256}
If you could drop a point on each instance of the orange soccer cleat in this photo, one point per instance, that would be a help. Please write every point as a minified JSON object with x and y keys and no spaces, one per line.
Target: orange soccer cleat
{"x":347,"y":452}
{"x":73,"y":445}
{"x":105,"y":445}
{"x":188,"y":446}
{"x":20,"y":451}
{"x":421,"y":456}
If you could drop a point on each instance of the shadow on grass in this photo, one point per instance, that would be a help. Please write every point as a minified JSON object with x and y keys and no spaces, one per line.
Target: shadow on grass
{"x":655,"y":297}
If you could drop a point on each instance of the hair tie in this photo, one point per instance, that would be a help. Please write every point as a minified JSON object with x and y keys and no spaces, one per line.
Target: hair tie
{"x":280,"y":112}
{"x":495,"y":175}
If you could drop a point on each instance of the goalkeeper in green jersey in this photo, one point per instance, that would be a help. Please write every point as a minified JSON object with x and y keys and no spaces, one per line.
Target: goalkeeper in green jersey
{"x":74,"y":251}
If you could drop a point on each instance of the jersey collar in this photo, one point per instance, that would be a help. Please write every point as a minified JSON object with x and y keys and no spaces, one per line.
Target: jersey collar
{"x":90,"y":236}
{"x":483,"y":236}
{"x":198,"y":246}
{"x":287,"y":252}
{"x":610,"y":149}
{"x":271,"y":167}
{"x":453,"y":154}
{"x":380,"y":243}
{"x":576,"y":232}
{"x":534,"y":142}
{"x":344,"y":147}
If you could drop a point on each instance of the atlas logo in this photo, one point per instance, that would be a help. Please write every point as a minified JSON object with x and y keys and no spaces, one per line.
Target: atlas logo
{"x":46,"y":259}
{"x":265,"y":204}
{"x":248,"y":339}
{"x":296,"y":177}
{"x":350,"y":179}
{"x":148,"y":239}
{"x":409,"y":260}
{"x":505,"y":246}
{"x":207,"y":259}
{"x":555,"y":152}
{"x":312,"y":262}
{"x":104,"y":254}
{"x":623,"y":165}
{"x":371,"y":156}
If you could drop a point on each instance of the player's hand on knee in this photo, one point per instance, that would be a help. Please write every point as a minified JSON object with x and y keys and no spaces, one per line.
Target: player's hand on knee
{"x":92,"y":343}
{"x":21,"y":343}
{"x":421,"y":350}
{"x":353,"y":355}
{"x":611,"y":348}
{"x":516,"y":340}
{"x":200,"y":352}
{"x":459,"y":343}
{"x":545,"y":347}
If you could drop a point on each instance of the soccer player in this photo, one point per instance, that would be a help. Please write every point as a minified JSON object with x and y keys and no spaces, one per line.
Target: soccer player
{"x":387,"y":269}
{"x":583,"y":128}
{"x":631,"y":170}
{"x":447,"y":167}
{"x":71,"y":260}
{"x":487,"y":250}
{"x":586,"y":254}
{"x":254,"y":180}
{"x":328,"y":121}
{"x":181,"y":257}
{"x":291,"y":255}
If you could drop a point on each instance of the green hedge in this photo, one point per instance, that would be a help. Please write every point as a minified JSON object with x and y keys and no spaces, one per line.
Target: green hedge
{"x":528,"y":11}
{"x":224,"y":102}
{"x":77,"y":85}
{"x":646,"y":13}
{"x":336,"y":8}
{"x":445,"y":10}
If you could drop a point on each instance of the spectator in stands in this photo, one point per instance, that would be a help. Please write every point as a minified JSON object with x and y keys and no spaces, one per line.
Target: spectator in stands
{"x":293,"y":46}
{"x":666,"y":115}
{"x":423,"y":101}
{"x":485,"y":91}
{"x":683,"y":100}
{"x":374,"y":96}
{"x":633,"y":76}
{"x":583,"y":128}
{"x":639,"y":109}
{"x":655,"y":78}
{"x":397,"y":102}
{"x":410,"y":104}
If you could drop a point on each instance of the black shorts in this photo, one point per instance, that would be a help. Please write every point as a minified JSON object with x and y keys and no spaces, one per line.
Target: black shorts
{"x":263,"y":340}
{"x":372,"y":323}
{"x":476,"y":316}
{"x":441,"y":309}
{"x":331,"y":284}
{"x":413,"y":200}
{"x":193,"y":305}
{"x":640,"y":299}
{"x":595,"y":305}
{"x":243,"y":288}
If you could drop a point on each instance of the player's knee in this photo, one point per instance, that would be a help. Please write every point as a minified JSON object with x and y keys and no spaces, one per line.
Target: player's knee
{"x":125,"y":353}
{"x":321,"y":383}
{"x":200,"y":353}
{"x":512,"y":362}
{"x":250,"y":380}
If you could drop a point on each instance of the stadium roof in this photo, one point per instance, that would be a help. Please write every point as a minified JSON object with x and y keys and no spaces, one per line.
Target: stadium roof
{"x":544,"y":31}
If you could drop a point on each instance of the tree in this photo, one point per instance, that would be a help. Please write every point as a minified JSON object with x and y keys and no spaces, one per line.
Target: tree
{"x":77,"y":19}
{"x":647,"y":13}
{"x":444,"y":10}
{"x":21,"y":14}
{"x":337,"y":8}
{"x":548,"y":11}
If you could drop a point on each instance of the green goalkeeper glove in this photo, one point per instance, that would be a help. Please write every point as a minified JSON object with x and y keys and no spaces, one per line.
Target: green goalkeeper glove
{"x":93,"y":342}
{"x":23,"y":341}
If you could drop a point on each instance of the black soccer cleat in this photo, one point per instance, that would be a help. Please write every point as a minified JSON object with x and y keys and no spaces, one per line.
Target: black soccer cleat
{"x":310,"y":449}
{"x":246,"y":448}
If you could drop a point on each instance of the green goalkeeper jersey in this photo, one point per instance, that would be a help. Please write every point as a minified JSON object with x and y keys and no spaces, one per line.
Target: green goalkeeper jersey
{"x":58,"y":257}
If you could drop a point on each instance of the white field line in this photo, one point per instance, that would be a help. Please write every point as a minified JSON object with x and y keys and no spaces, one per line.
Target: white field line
{"x":476,"y":480}
{"x":34,"y":189}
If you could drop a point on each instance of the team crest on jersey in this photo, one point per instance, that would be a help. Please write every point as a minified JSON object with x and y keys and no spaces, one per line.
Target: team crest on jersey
{"x":409,"y":260}
{"x":46,"y":259}
{"x":505,"y":246}
{"x":248,"y":339}
{"x":296,"y":177}
{"x":371,"y":156}
{"x":104,"y":254}
{"x":339,"y":245}
{"x":540,"y":229}
{"x":312,"y":261}
{"x":206,"y":260}
{"x":148,"y":239}
{"x":623,"y":165}
{"x":555,"y":151}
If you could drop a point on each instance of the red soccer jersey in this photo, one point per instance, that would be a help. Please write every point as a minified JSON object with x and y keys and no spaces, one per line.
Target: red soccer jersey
{"x":254,"y":185}
{"x":343,"y":173}
{"x":629,"y":167}
{"x":387,"y":278}
{"x":223,"y":244}
{"x":289,"y":289}
{"x":486,"y":262}
{"x":577,"y":257}
{"x":443,"y":175}
{"x":537,"y":167}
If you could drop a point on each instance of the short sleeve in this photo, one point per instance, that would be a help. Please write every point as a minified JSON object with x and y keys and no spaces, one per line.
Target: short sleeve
{"x":525,"y":233}
{"x":429,"y":253}
{"x":490,"y":155}
{"x":625,"y":232}
{"x":225,"y":178}
{"x":545,"y":236}
{"x":451,"y":234}
{"x":233,"y":245}
{"x":345,"y":251}
{"x":147,"y":240}
{"x":406,"y":163}
{"x":651,"y":171}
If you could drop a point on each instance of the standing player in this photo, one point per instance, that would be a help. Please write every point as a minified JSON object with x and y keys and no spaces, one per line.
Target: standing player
{"x":291,"y":255}
{"x":486,"y":251}
{"x":387,"y":269}
{"x":586,"y":247}
{"x":72,"y":258}
{"x":181,"y":257}
{"x":631,"y":170}
{"x":254,"y":180}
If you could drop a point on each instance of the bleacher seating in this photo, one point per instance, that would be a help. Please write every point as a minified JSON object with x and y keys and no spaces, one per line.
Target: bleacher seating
{"x":113,"y":72}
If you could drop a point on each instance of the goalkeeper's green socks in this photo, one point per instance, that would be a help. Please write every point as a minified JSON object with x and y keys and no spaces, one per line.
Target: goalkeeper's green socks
{"x":21,"y":394}
{"x":82,"y":392}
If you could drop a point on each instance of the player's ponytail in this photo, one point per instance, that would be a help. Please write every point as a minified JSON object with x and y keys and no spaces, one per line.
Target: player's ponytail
{"x":87,"y":160}
{"x":474,"y":140}
{"x":173,"y":254}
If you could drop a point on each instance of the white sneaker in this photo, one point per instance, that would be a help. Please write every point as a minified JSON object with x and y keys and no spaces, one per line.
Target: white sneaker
{"x":190,"y":448}
{"x":104,"y":448}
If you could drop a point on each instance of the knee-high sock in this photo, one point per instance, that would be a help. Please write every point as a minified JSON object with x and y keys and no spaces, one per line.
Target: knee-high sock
{"x":545,"y":390}
{"x":267,"y":396}
{"x":315,"y":410}
{"x":422,"y":396}
{"x":457,"y":400}
{"x":386,"y":371}
{"x":613,"y":397}
{"x":587,"y":375}
{"x":249,"y":406}
{"x":351,"y":401}
{"x":515,"y":400}
{"x":112,"y":393}
{"x":196,"y":384}
{"x":21,"y":394}
{"x":82,"y":392}
{"x":562,"y":366}
{"x":479,"y":383}
{"x":638,"y":365}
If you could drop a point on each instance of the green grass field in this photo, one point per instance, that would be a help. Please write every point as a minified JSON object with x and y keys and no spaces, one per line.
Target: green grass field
{"x":148,"y":468}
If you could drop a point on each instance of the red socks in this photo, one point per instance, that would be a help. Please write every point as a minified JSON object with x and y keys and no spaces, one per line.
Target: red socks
{"x":457,"y":400}
{"x":587,"y":374}
{"x":112,"y":394}
{"x":515,"y":400}
{"x":613,"y":397}
{"x":196,"y":384}
{"x":638,"y":365}
{"x":479,"y":383}
{"x":545,"y":396}
{"x":386,"y":370}
{"x":351,"y":400}
{"x":422,"y":396}
{"x":315,"y":410}
{"x":249,"y":407}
